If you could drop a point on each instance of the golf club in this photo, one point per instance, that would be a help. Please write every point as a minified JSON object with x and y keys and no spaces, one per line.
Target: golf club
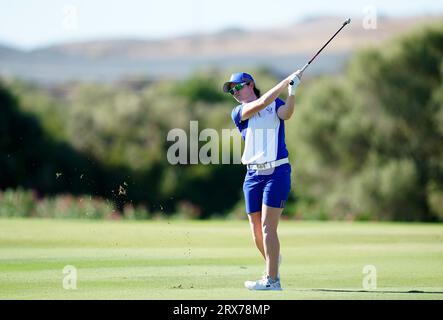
{"x":306,"y":65}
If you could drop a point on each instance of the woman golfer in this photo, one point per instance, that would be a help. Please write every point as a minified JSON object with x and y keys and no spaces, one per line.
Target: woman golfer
{"x":260,"y":120}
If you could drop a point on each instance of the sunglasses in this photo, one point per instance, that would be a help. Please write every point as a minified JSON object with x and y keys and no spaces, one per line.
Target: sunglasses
{"x":237,"y":87}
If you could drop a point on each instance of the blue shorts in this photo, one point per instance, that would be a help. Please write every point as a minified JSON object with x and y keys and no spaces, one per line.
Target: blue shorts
{"x":270,"y":189}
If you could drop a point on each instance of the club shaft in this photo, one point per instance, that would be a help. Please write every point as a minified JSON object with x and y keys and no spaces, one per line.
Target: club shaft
{"x":306,"y":65}
{"x":326,"y":44}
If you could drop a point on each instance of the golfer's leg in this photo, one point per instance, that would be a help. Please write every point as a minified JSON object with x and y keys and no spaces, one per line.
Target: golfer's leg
{"x":257,"y":235}
{"x":270,"y":218}
{"x":253,"y":191}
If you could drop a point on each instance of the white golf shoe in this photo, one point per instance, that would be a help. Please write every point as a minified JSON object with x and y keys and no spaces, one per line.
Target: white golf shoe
{"x":264,"y":284}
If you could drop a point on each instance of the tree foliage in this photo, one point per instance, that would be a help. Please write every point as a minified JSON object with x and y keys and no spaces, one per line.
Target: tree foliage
{"x":370,"y":142}
{"x":366,"y":144}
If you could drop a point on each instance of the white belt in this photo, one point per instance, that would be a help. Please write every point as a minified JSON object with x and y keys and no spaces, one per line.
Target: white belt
{"x":267,"y":165}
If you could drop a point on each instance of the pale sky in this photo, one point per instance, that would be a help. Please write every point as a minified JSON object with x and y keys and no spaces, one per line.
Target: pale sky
{"x":28,"y":24}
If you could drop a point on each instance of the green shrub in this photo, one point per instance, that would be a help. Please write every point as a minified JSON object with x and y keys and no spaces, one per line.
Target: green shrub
{"x":20,"y":203}
{"x":69,"y":207}
{"x":135,"y":213}
{"x":17,"y":203}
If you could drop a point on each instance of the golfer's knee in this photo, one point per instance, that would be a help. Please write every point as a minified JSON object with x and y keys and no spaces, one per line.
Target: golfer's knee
{"x":268,"y":230}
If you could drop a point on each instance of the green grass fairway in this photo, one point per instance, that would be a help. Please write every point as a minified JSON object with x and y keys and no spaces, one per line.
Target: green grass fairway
{"x":211,"y":260}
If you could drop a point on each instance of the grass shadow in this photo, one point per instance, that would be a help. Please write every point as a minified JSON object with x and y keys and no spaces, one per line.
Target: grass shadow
{"x":376,"y":291}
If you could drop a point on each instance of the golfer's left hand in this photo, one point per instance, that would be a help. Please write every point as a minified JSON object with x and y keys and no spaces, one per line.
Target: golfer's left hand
{"x":294,"y":81}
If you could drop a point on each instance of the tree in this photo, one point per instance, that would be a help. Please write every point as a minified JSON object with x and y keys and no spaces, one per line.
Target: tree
{"x":370,"y":142}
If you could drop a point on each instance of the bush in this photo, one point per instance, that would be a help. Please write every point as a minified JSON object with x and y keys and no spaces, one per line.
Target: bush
{"x":18,"y":203}
{"x":135,"y":213}
{"x":69,"y":207}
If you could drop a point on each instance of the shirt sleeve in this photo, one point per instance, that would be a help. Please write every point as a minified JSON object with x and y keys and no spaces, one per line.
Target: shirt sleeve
{"x":278,"y":103}
{"x":236,"y":115}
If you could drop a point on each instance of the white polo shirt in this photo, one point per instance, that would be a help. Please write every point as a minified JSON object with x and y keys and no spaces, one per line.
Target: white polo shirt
{"x":264,"y":134}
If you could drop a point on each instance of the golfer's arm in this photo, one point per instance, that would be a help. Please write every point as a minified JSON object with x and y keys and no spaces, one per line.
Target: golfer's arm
{"x":285,"y":111}
{"x":251,"y":108}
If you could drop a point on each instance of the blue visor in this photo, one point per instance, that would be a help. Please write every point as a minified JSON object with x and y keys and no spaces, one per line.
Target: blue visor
{"x":237,"y":78}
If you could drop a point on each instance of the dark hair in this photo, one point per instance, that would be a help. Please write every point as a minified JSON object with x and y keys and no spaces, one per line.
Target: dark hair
{"x":257,"y":91}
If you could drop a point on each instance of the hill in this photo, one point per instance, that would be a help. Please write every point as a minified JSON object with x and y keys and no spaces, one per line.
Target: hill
{"x":280,"y":49}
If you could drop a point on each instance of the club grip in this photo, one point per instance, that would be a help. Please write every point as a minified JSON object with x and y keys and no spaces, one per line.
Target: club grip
{"x":301,"y":72}
{"x":291,"y":82}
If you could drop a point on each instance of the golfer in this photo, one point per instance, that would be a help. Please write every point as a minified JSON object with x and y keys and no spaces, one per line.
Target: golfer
{"x":260,"y":120}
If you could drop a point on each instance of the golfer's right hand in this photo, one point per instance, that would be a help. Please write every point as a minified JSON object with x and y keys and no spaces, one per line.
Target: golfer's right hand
{"x":297,"y":74}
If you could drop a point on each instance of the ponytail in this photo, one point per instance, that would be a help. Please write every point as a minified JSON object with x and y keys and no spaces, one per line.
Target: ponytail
{"x":256,"y":91}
